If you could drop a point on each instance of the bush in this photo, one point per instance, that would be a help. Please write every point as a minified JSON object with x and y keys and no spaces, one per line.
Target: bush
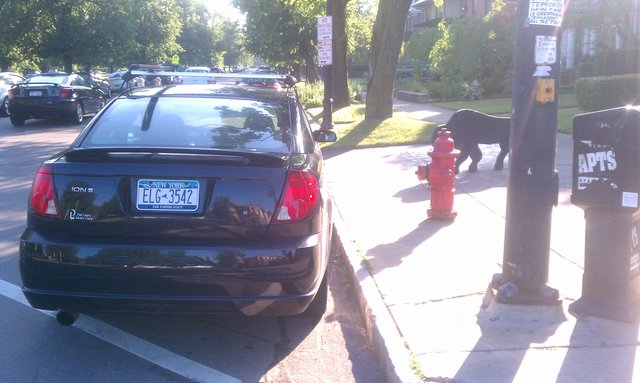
{"x":597,"y":93}
{"x":411,"y":85}
{"x":609,"y":62}
{"x":312,"y":95}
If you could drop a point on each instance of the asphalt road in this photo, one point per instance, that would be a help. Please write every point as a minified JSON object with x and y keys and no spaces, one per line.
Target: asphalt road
{"x":143,"y":348}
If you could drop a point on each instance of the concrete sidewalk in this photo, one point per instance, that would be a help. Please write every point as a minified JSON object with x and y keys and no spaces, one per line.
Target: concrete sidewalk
{"x":423,"y":283}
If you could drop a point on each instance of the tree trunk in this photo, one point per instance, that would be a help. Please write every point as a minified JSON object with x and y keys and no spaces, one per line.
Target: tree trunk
{"x":67,"y":62}
{"x":385,"y":50}
{"x":311,"y":70}
{"x":339,"y":86}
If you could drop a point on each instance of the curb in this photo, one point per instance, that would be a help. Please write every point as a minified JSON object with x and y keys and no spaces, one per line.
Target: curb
{"x":381,"y":330}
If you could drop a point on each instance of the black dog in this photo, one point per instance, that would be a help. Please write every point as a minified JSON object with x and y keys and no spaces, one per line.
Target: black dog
{"x":469,"y":128}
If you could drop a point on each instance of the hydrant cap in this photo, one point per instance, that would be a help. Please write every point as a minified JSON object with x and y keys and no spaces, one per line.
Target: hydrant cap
{"x":443,"y":146}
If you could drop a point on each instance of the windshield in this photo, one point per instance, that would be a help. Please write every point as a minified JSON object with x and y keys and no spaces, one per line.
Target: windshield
{"x":192,"y":122}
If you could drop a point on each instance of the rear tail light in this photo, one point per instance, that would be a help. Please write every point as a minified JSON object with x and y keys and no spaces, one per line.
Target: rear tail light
{"x":300,"y":197}
{"x":42,"y":200}
{"x":66,"y":92}
{"x":10,"y":93}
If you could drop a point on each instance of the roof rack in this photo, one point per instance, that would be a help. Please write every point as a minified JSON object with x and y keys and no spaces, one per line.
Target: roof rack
{"x":154,"y":67}
{"x":288,"y":80}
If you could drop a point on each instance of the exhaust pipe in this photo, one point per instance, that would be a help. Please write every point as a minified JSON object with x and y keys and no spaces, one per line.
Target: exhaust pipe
{"x":66,"y":318}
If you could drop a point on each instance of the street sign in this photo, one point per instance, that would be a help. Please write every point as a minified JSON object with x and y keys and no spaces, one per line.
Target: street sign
{"x":325,"y":54}
{"x":325,"y":28}
{"x":325,"y":36}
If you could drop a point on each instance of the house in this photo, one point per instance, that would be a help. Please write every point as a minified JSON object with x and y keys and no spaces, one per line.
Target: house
{"x":601,"y":38}
{"x":598,"y":37}
{"x":424,"y":14}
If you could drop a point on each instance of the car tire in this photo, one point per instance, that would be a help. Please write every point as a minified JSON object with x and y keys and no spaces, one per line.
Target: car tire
{"x":16,"y":120}
{"x":78,"y":114}
{"x":4,"y":108}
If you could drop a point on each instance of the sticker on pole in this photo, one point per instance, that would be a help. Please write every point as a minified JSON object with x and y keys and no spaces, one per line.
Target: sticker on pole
{"x":546,"y":12}
{"x":546,"y":48}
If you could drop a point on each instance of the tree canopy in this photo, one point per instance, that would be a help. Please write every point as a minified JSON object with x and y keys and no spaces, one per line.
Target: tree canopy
{"x":44,"y":34}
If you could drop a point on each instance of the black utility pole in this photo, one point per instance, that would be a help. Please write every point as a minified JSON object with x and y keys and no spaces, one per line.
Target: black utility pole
{"x":327,"y":114}
{"x":533,"y":180}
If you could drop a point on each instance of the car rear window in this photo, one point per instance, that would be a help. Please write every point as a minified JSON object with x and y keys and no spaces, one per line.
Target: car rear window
{"x":50,"y":79}
{"x":192,"y":122}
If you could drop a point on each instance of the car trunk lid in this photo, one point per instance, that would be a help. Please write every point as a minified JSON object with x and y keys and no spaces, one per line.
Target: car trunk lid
{"x":140,"y":194}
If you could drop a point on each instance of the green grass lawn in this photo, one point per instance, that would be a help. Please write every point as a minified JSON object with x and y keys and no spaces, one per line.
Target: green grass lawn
{"x":354,"y":132}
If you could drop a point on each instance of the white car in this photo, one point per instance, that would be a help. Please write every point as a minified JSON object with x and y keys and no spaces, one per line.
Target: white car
{"x":115,"y":81}
{"x":190,"y":80}
{"x":7,"y":80}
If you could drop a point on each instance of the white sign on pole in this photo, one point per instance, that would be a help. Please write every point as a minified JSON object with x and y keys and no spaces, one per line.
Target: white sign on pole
{"x":325,"y":54}
{"x":546,"y":12}
{"x":325,"y":36}
{"x":325,"y":28}
{"x":546,"y":50}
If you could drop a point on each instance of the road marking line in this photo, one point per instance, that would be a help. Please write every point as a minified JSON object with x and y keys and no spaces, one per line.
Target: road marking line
{"x":148,"y":351}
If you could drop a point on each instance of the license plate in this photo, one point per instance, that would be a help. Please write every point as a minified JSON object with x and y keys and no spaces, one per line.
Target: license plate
{"x":35,"y":93}
{"x":168,"y":195}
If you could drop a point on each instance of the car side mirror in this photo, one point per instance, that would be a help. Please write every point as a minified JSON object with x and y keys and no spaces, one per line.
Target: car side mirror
{"x":324,"y":135}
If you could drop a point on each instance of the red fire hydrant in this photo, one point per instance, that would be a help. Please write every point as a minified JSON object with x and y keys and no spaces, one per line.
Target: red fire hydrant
{"x":441,"y":176}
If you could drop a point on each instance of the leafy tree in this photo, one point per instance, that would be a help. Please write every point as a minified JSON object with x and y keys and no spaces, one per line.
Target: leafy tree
{"x":385,"y":50}
{"x":473,"y":49}
{"x":157,"y":30}
{"x":17,"y":37}
{"x":419,"y":46}
{"x":111,"y":39}
{"x":228,"y":43}
{"x":197,"y":37}
{"x":283,"y":32}
{"x":360,"y":19}
{"x":62,"y":27}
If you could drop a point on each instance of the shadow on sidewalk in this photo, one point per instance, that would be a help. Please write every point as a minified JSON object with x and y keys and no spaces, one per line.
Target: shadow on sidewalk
{"x":391,"y":254}
{"x":508,"y":334}
{"x":619,"y":352}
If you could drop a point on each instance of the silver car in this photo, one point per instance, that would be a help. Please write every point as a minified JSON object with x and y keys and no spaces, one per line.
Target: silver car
{"x":7,"y":80}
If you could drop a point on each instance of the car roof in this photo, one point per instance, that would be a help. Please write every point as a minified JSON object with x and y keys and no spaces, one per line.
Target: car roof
{"x":214,"y":90}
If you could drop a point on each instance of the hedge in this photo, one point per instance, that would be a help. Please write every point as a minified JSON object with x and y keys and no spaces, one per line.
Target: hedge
{"x":597,"y":93}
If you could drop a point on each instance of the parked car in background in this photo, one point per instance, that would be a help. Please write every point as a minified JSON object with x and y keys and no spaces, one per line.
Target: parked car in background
{"x":117,"y":82}
{"x":54,"y":95}
{"x":96,"y":79}
{"x":190,"y":80}
{"x":153,"y":74}
{"x":268,"y":83}
{"x":206,"y":199}
{"x":7,"y":80}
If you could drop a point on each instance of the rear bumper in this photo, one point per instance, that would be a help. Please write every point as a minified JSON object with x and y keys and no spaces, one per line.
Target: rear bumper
{"x":174,"y":278}
{"x":42,"y":108}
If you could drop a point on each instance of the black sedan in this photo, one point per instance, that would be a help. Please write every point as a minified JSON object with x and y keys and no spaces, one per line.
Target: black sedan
{"x":54,"y":95}
{"x":198,"y":199}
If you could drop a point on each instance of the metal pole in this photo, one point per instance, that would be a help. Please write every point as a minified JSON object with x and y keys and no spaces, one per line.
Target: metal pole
{"x":327,"y":114}
{"x":533,"y":185}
